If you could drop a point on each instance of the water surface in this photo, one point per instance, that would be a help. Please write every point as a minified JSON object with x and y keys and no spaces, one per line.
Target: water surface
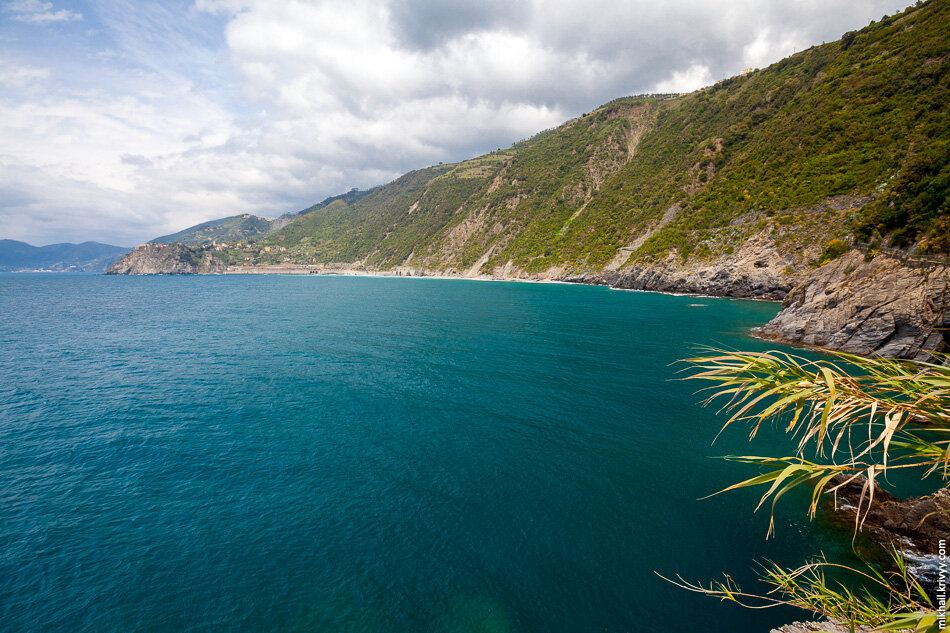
{"x":366,"y":454}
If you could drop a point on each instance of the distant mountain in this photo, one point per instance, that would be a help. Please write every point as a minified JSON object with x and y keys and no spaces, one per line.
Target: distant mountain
{"x":350,"y":197}
{"x":246,"y":226}
{"x":236,"y":227}
{"x":86,"y":257}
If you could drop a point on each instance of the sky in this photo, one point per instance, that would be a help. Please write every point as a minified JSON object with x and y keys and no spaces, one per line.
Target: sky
{"x":121,"y":121}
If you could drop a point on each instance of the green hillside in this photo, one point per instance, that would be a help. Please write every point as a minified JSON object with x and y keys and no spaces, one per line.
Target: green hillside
{"x":349,"y":197}
{"x":237,"y":227}
{"x":246,"y":227}
{"x":794,"y":151}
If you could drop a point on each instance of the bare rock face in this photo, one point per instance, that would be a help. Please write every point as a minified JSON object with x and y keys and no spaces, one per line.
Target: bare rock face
{"x":757,"y":270}
{"x":718,"y":280}
{"x":870,"y":308}
{"x":167,"y":259}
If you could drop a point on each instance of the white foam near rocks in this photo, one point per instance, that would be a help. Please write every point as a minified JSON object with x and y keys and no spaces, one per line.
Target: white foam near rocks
{"x":924,"y":567}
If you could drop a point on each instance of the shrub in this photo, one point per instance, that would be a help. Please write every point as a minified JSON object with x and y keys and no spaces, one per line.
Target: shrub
{"x":833,"y":250}
{"x":847,"y":39}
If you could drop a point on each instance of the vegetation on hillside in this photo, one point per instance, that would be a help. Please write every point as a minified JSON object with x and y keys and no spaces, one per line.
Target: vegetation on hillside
{"x":850,"y":117}
{"x":349,"y":197}
{"x":238,"y":227}
{"x":852,"y":417}
{"x":859,"y":120}
{"x":247,"y":227}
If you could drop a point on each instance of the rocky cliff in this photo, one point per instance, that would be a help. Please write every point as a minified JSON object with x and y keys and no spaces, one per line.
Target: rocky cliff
{"x":915,"y":525}
{"x":756,"y":271}
{"x":877,"y":307}
{"x":167,"y":259}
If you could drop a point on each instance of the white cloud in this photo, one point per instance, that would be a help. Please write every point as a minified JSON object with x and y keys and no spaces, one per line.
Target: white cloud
{"x":40,"y":13}
{"x":693,"y":78}
{"x":13,"y":75}
{"x":766,"y":47}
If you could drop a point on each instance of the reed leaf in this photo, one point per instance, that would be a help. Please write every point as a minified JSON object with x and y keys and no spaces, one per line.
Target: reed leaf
{"x":904,"y":409}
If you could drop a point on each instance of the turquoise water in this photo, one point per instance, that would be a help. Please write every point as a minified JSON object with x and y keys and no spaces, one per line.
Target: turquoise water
{"x":360,"y":454}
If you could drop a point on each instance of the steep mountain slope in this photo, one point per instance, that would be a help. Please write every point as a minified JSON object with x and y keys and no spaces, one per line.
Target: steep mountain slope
{"x":86,"y":257}
{"x":246,"y":226}
{"x":863,"y":119}
{"x":236,"y":227}
{"x":447,"y":217}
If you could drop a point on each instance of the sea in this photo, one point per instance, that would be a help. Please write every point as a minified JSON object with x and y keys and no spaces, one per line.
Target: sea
{"x":359,"y":454}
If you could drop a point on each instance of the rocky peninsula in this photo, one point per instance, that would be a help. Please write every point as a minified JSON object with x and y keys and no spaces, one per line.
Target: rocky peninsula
{"x":167,"y":259}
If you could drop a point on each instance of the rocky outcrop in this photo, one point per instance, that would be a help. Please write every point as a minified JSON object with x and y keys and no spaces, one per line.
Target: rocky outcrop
{"x":879,"y":307}
{"x":915,"y":525}
{"x":715,"y":280}
{"x":757,"y":270}
{"x":167,"y":259}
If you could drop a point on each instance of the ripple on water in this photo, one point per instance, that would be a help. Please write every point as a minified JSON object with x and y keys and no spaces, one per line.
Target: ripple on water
{"x":352,"y":454}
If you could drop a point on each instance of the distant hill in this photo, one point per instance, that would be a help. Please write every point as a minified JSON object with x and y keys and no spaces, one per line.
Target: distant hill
{"x":86,"y":257}
{"x":236,"y":227}
{"x":350,"y":197}
{"x":247,"y":226}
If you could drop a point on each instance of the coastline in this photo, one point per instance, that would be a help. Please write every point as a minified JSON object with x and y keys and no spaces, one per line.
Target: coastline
{"x":583,"y":280}
{"x":294,"y":271}
{"x":853,"y":304}
{"x":342,"y":272}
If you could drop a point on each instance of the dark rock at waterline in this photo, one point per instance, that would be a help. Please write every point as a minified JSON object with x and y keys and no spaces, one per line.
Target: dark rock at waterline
{"x":828,"y":626}
{"x":757,"y":270}
{"x":916,"y":525}
{"x":723,"y":282}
